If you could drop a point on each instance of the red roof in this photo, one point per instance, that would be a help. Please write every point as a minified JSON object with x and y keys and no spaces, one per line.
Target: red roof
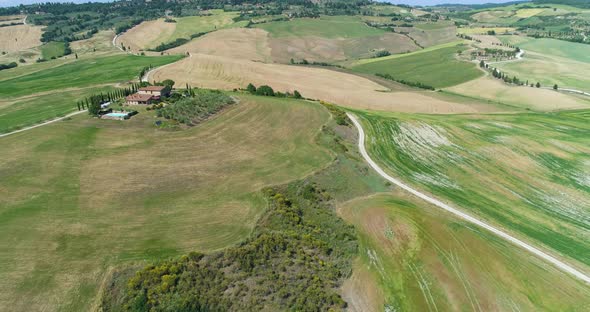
{"x":152,"y":88}
{"x":139,"y":97}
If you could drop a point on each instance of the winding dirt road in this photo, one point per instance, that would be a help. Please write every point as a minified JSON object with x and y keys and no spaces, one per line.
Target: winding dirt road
{"x":559,"y":264}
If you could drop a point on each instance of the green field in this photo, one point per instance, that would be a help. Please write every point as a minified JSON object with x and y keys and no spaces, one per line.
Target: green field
{"x":437,"y":67}
{"x":28,"y":111}
{"x":53,"y":50}
{"x":85,"y":195}
{"x":42,"y":91}
{"x":325,"y":26}
{"x":527,"y":173}
{"x":422,"y":259}
{"x":82,"y":73}
{"x":550,"y":62}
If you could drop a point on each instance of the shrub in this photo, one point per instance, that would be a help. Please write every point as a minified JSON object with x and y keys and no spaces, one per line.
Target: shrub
{"x":8,"y":66}
{"x":265,"y":90}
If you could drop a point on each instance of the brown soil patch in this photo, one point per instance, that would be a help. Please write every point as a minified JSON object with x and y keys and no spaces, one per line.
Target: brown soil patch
{"x":210,"y":71}
{"x":20,"y":37}
{"x":145,"y":35}
{"x":242,"y":43}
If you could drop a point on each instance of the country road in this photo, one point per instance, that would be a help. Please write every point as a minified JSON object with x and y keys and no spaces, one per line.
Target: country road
{"x":43,"y":124}
{"x":537,"y":252}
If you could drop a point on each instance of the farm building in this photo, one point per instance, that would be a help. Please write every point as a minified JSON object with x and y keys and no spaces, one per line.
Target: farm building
{"x":139,"y":98}
{"x":156,"y":91}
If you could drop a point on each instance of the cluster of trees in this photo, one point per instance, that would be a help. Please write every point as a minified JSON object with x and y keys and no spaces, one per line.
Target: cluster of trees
{"x":314,"y":63}
{"x":512,"y":80}
{"x":415,"y":84}
{"x":299,"y":254}
{"x":93,"y":102}
{"x":268,"y":91}
{"x":194,"y":109}
{"x":8,"y":66}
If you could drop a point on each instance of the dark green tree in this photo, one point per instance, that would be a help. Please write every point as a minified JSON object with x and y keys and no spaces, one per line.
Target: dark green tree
{"x":251,"y":88}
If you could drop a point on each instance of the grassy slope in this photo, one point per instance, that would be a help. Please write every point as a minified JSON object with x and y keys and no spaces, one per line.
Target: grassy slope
{"x":437,"y":68}
{"x":86,"y":194}
{"x":326,"y":26}
{"x":551,"y":62}
{"x":82,"y":73}
{"x":528,"y":172}
{"x":426,"y":260}
{"x":53,"y":49}
{"x":30,"y":110}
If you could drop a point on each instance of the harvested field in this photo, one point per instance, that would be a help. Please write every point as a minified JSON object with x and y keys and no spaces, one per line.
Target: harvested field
{"x":20,"y":37}
{"x":101,"y":42}
{"x":430,"y":37}
{"x":484,"y":30}
{"x":487,"y":88}
{"x":345,"y":89}
{"x":152,"y":33}
{"x":321,"y":49}
{"x":86,"y":194}
{"x":241,"y":43}
{"x":146,"y":34}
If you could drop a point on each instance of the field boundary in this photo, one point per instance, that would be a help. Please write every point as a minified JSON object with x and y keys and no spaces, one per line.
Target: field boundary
{"x":395,"y":56}
{"x":537,"y":252}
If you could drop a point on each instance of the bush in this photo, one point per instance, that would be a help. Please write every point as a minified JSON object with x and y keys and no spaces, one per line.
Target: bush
{"x":408,"y":83}
{"x":265,"y":91}
{"x":8,"y":66}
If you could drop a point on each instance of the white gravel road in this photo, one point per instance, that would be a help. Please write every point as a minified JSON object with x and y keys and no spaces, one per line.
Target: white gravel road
{"x":537,"y":252}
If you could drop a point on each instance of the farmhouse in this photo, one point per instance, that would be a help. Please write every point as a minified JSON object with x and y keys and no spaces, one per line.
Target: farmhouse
{"x":139,"y":98}
{"x":156,"y":91}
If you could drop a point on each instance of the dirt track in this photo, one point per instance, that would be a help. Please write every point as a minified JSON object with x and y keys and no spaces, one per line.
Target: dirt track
{"x":521,"y":244}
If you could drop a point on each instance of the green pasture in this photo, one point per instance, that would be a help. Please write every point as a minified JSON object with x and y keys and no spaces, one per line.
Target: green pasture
{"x":53,"y":49}
{"x":437,"y":67}
{"x":82,"y":73}
{"x":527,"y":173}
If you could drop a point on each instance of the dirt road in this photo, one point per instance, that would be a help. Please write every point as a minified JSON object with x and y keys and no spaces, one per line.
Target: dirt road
{"x":559,"y":264}
{"x":42,"y":124}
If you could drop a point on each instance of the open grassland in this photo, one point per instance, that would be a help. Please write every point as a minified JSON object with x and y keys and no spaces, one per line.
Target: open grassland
{"x":495,"y":91}
{"x":317,"y":83}
{"x":528,"y":173}
{"x":571,"y":50}
{"x":549,"y":70}
{"x":152,"y":33}
{"x":81,"y":196}
{"x":425,"y":260}
{"x":53,"y":50}
{"x":325,"y":26}
{"x":82,"y":73}
{"x":19,"y":37}
{"x":438,"y":68}
{"x":29,"y":110}
{"x":431,"y":37}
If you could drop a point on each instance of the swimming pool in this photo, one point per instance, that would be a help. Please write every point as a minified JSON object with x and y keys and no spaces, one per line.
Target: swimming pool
{"x":120,"y":115}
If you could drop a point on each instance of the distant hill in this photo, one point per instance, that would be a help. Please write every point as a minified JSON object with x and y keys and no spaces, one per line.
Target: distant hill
{"x":576,"y":3}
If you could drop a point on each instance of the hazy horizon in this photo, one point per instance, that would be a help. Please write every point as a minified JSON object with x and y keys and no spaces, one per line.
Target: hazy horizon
{"x":8,"y":3}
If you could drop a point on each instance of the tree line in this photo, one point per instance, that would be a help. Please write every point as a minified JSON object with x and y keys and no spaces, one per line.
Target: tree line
{"x":93,"y":103}
{"x":415,"y":84}
{"x":265,"y":90}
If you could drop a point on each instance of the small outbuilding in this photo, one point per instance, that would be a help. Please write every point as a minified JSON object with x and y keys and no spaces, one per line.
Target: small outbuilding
{"x":139,"y":98}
